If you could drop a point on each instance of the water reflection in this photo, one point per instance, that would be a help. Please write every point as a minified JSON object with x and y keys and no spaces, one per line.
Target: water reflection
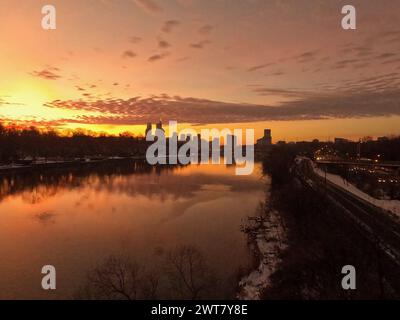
{"x":77,"y":217}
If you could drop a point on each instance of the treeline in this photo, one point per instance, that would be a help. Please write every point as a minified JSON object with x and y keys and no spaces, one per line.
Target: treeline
{"x":17,"y":144}
{"x":389,"y":149}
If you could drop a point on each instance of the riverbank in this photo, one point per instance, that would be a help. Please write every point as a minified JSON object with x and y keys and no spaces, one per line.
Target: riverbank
{"x":25,"y":166}
{"x":267,"y":239}
{"x":320,"y":241}
{"x":317,"y":242}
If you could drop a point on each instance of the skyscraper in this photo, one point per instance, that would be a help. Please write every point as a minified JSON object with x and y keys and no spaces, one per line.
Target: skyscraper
{"x":267,"y":136}
{"x":148,"y":128}
{"x":266,"y":140}
{"x":159,"y":125}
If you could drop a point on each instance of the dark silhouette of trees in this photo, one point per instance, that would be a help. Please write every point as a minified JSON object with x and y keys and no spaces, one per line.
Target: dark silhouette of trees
{"x":278,"y":163}
{"x":19,"y":143}
{"x":188,"y":273}
{"x":182,"y":274}
{"x":118,"y":278}
{"x":388,"y":148}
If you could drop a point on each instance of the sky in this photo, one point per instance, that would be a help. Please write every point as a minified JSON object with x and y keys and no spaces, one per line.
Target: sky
{"x":114,"y":65}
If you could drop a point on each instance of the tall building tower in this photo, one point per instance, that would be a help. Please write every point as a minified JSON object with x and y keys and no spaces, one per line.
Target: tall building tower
{"x":267,"y":136}
{"x":159,"y":125}
{"x":266,"y":140}
{"x":148,"y":129}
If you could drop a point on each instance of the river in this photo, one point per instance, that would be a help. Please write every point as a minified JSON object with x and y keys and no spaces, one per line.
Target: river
{"x":75,"y":218}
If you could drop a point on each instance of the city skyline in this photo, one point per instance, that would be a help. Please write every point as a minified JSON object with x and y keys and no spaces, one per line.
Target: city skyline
{"x":113,"y":66}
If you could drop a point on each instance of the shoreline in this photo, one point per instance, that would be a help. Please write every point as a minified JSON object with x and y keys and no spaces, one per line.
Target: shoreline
{"x":267,"y":239}
{"x":59,"y":164}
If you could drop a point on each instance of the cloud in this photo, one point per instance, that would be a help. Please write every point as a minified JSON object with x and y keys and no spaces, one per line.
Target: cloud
{"x":363,"y":51}
{"x":163,"y":44}
{"x":4,"y":102}
{"x":48,"y":73}
{"x":129,"y":54}
{"x":149,"y":6}
{"x":25,"y":123}
{"x":307,"y":56}
{"x":370,"y":97}
{"x":345,"y":63}
{"x":391,"y":36}
{"x":135,"y":39}
{"x":206,"y":29}
{"x":361,"y":65}
{"x":158,"y":57}
{"x":170,"y":25}
{"x":199,"y":45}
{"x":183,"y":59}
{"x":285,"y":93}
{"x":386,"y":55}
{"x":276,"y":73}
{"x":260,"y":66}
{"x":392,"y":61}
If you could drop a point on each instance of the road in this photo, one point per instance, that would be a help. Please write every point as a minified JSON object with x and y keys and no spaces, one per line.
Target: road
{"x":393,"y":164}
{"x":373,"y":222}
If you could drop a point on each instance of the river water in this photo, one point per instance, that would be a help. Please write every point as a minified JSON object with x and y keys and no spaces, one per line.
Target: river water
{"x":74,"y":219}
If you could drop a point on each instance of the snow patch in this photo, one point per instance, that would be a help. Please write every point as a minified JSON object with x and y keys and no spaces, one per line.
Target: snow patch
{"x":268,"y":237}
{"x":389,"y":205}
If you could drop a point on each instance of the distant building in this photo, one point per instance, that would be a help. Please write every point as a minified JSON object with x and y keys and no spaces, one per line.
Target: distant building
{"x":281,"y":142}
{"x":266,"y":140}
{"x":340,"y":140}
{"x":383,"y":139}
{"x":159,"y":125}
{"x":148,"y":128}
{"x":263,"y":144}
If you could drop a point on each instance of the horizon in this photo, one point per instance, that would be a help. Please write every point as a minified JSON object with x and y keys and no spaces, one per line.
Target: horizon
{"x":141,"y":135}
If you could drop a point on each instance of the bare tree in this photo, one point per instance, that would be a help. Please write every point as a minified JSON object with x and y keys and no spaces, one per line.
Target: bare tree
{"x":187,"y":276}
{"x":188,"y":273}
{"x":119,"y":278}
{"x":150,"y":285}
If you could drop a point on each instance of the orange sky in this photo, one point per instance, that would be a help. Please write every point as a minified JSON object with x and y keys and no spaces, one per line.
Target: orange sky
{"x":287,"y":65}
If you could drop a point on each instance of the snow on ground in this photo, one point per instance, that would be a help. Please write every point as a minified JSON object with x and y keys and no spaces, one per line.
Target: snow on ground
{"x":269,"y":240}
{"x":389,"y":205}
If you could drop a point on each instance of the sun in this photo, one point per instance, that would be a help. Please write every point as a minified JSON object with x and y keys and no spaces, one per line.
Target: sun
{"x":32,"y":92}
{"x":28,"y":99}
